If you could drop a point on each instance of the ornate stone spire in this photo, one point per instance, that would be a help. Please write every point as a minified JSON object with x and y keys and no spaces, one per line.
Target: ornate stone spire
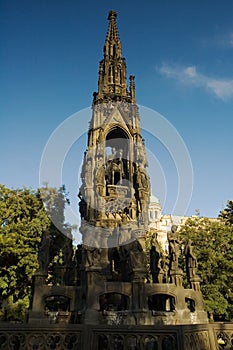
{"x":112,"y":85}
{"x":112,"y":47}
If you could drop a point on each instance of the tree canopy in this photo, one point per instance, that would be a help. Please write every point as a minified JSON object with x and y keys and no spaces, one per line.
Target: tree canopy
{"x":23,"y":219}
{"x":213,"y":245}
{"x":227,"y":214}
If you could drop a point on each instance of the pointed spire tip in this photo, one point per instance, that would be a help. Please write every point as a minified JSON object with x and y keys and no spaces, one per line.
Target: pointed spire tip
{"x":112,"y":14}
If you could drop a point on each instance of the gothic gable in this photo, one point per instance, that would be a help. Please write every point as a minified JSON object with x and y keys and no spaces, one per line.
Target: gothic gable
{"x":116,"y":118}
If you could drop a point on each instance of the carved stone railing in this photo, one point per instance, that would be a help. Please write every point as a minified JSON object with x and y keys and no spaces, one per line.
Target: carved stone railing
{"x":25,"y":337}
{"x":215,"y":336}
{"x":224,"y":335}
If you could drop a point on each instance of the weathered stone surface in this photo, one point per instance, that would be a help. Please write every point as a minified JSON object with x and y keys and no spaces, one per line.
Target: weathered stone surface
{"x":107,"y":279}
{"x":112,"y":336}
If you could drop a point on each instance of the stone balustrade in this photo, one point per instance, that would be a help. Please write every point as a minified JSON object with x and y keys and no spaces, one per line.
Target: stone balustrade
{"x":214,"y":336}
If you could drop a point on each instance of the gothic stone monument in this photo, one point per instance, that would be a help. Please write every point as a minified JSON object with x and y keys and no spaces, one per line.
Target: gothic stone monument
{"x":106,"y":282}
{"x":114,"y":199}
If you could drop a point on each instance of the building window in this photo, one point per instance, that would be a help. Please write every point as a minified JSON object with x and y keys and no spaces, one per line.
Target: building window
{"x":151,"y":215}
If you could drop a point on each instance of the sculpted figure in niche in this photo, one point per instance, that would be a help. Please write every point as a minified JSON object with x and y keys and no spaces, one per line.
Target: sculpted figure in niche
{"x":163,"y":276}
{"x":88,"y":173}
{"x":140,"y":152}
{"x":82,"y":206}
{"x":93,"y":256}
{"x":112,"y":156}
{"x":137,"y":255}
{"x":100,"y":136}
{"x":115,"y":171}
{"x":155,"y":258}
{"x":100,"y":179}
{"x":191,"y":259}
{"x":142,"y":179}
{"x":100,"y":176}
{"x":174,"y":248}
{"x":99,"y":162}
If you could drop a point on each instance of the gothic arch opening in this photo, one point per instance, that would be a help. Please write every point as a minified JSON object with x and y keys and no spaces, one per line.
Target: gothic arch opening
{"x":113,"y":302}
{"x":117,"y":138}
{"x":117,"y":168}
{"x":161,"y":302}
{"x":57,"y":303}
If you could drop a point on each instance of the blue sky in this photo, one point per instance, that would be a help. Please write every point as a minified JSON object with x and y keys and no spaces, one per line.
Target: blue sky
{"x":181,"y":53}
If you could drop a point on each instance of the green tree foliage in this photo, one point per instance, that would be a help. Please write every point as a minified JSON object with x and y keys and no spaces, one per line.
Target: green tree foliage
{"x":227,"y":214}
{"x":54,"y":201}
{"x":213,"y":246}
{"x":23,"y":219}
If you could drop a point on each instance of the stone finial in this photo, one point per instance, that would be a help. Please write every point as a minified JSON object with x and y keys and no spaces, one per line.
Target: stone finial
{"x":132,"y":88}
{"x":112,"y":15}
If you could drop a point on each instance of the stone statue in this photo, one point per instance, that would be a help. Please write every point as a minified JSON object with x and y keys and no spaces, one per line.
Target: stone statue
{"x":155,"y":259}
{"x":163,"y":276}
{"x":88,"y":172}
{"x":113,"y":155}
{"x":92,"y":256}
{"x":115,"y":166}
{"x":137,"y":255}
{"x":191,"y":259}
{"x":100,"y":175}
{"x":43,"y":255}
{"x":82,"y":206}
{"x":140,"y":152}
{"x":154,"y":242}
{"x":142,"y":178}
{"x":174,"y":248}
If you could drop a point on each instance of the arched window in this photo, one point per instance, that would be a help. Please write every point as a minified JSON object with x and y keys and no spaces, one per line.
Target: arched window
{"x":117,"y":161}
{"x":118,"y":139}
{"x":113,"y":302}
{"x":103,"y":342}
{"x":150,"y":215}
{"x":151,"y":343}
{"x":57,"y":303}
{"x":161,"y":302}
